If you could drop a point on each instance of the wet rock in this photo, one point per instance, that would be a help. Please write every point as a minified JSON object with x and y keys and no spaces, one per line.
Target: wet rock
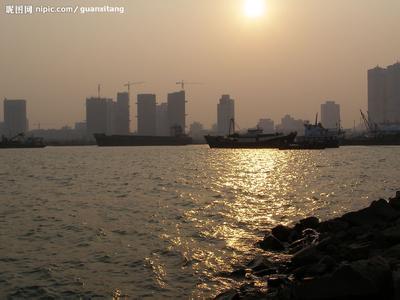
{"x":282,"y":232}
{"x":228,"y":295}
{"x":310,"y":222}
{"x":366,"y":279}
{"x":382,"y":209}
{"x":265,"y":272}
{"x":392,"y":252}
{"x":356,"y":251}
{"x":271,"y":243}
{"x":392,"y":234}
{"x":260,"y":263}
{"x":238,"y":273}
{"x":306,"y":256}
{"x":396,"y":284}
{"x":395,"y":202}
{"x":335,"y":225}
{"x":277,"y":280}
{"x":310,"y":270}
{"x":364,"y":217}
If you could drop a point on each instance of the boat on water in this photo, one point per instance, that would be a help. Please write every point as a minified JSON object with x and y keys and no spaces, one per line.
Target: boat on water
{"x":254,"y":138}
{"x":104,"y":140}
{"x":318,"y":137}
{"x":386,"y":134}
{"x":21,"y":141}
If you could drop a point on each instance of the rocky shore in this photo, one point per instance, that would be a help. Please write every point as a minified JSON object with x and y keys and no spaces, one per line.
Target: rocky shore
{"x":356,"y":256}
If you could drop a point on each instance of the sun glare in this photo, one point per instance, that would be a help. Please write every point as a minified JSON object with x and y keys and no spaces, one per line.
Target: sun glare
{"x":254,"y":8}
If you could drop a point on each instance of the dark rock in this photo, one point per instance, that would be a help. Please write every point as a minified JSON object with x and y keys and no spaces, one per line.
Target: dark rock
{"x":260,"y":263}
{"x":396,"y":284}
{"x":358,"y":251}
{"x":265,"y":272}
{"x":271,"y":243}
{"x":382,"y":209}
{"x":364,"y":217}
{"x":334,"y":225}
{"x":310,"y":270}
{"x":364,"y":279}
{"x":277,"y":280}
{"x":306,"y":256}
{"x":392,"y":252}
{"x":228,"y":295}
{"x":328,"y":261}
{"x":395,"y":202}
{"x":392,"y":234}
{"x":282,"y":233}
{"x":310,"y":222}
{"x":238,"y":273}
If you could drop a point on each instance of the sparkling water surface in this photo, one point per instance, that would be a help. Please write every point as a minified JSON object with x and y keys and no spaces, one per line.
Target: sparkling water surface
{"x":162,"y":222}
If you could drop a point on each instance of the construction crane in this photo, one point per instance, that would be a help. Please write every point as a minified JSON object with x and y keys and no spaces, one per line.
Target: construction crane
{"x":132,"y":83}
{"x":182,"y":83}
{"x":98,"y":90}
{"x":371,"y":126}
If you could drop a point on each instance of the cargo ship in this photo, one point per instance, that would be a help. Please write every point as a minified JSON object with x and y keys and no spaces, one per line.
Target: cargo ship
{"x":254,"y":138}
{"x":104,"y":140}
{"x":21,"y":141}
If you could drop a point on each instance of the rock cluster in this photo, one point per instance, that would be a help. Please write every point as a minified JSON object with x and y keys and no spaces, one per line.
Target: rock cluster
{"x":356,"y":256}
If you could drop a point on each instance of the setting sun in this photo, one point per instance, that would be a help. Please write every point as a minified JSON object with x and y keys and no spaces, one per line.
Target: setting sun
{"x":254,"y":8}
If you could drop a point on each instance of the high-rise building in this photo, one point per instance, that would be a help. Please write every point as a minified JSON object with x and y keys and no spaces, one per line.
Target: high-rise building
{"x":330,"y":114}
{"x":176,"y":112}
{"x":100,"y":115}
{"x":162,"y":125}
{"x":267,"y":125}
{"x":15,"y":120}
{"x":122,"y":118}
{"x":146,"y":110}
{"x":384,"y":94}
{"x":225,"y":112}
{"x":290,"y":124}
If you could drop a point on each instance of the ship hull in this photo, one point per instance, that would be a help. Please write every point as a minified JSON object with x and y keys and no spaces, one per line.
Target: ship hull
{"x":373,"y":141}
{"x":10,"y":146}
{"x":103,"y":140}
{"x":274,"y":141}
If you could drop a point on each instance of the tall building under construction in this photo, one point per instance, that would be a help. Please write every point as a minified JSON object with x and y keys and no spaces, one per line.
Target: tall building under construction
{"x":384,"y":94}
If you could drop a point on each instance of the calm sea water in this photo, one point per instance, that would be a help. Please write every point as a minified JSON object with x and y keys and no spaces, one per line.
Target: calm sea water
{"x":161,"y":222}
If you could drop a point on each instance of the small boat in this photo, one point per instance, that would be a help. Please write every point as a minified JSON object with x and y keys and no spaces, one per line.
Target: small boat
{"x":21,"y":141}
{"x":254,"y":138}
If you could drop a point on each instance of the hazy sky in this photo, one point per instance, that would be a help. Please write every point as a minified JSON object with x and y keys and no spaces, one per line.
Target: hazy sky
{"x":299,"y":54}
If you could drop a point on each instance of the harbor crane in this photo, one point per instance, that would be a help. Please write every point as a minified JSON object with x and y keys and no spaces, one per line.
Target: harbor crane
{"x":182,"y":83}
{"x":371,"y":126}
{"x":132,"y":83}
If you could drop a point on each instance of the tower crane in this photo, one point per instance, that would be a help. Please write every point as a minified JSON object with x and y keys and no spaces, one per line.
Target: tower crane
{"x":182,"y":83}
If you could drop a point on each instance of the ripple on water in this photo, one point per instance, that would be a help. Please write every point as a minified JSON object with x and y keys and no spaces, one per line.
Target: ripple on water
{"x":162,"y":222}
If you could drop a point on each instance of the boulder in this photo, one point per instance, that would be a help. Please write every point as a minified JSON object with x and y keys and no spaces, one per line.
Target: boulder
{"x":364,"y":217}
{"x":307,"y":255}
{"x":334,"y":226}
{"x":310,"y":222}
{"x":260,"y":263}
{"x":271,"y":243}
{"x":364,"y":279}
{"x":396,"y":284}
{"x":282,"y":232}
{"x":228,"y":295}
{"x":395,"y":202}
{"x":382,"y":209}
{"x":392,"y":234}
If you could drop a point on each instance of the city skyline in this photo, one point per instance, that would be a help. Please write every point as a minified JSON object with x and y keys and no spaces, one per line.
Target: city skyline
{"x":288,"y":61}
